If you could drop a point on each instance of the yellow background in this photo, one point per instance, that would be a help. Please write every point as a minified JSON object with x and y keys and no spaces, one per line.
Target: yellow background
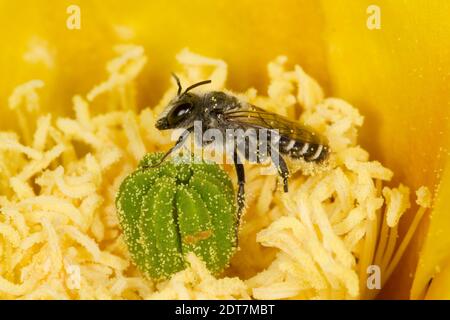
{"x":398,"y":76}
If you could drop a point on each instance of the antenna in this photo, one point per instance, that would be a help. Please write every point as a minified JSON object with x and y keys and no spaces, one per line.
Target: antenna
{"x":195,"y":85}
{"x":178,"y":83}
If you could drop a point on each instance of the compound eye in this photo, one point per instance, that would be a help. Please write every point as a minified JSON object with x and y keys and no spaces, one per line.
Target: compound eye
{"x":179,"y":113}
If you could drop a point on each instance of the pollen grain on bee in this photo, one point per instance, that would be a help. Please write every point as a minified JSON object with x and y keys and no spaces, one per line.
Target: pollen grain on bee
{"x":219,"y":145}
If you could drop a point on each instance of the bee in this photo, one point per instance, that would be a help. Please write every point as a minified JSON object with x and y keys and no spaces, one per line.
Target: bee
{"x":224,"y":112}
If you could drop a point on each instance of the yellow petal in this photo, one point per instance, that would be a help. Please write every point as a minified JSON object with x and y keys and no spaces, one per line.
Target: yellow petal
{"x":439,"y":288}
{"x":398,"y":75}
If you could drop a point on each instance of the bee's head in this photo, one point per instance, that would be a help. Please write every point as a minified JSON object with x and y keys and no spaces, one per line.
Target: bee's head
{"x":182,"y":110}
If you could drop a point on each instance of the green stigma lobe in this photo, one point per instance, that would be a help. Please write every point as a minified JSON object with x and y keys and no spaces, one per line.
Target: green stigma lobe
{"x":176,"y":208}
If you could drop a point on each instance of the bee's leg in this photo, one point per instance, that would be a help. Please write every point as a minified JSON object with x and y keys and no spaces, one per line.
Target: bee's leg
{"x":180,"y":142}
{"x":241,"y":183}
{"x":281,"y":166}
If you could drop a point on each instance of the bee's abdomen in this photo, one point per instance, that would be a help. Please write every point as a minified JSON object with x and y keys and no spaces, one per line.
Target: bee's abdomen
{"x":310,"y":152}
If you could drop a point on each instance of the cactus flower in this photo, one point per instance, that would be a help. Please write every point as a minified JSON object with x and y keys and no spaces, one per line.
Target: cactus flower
{"x":396,"y":75}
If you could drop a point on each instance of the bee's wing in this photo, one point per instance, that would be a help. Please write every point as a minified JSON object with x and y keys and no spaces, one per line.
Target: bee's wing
{"x":254,"y":117}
